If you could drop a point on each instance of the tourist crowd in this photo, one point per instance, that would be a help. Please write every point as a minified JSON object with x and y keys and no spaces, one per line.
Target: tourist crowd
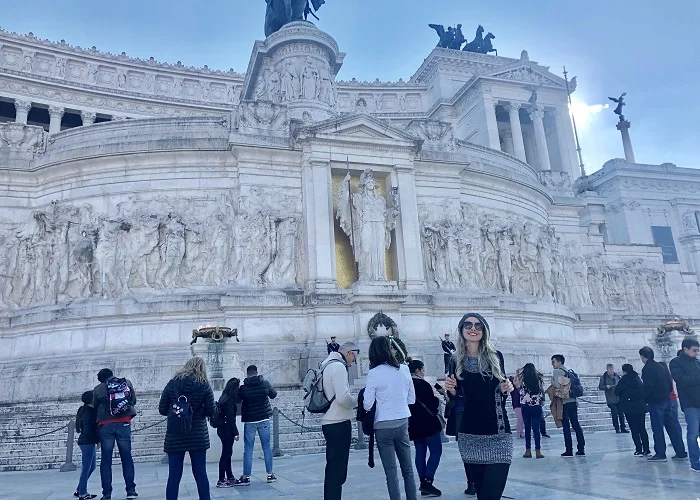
{"x":397,"y":407}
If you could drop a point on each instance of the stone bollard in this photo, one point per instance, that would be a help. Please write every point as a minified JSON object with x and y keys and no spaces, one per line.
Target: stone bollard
{"x":69,"y":466}
{"x":276,"y":450}
{"x":360,"y":445}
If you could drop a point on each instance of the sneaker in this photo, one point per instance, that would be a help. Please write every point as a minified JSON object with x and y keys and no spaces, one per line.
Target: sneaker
{"x":223,"y":484}
{"x":617,"y":431}
{"x":646,"y":453}
{"x":271,"y":478}
{"x":679,"y":457}
{"x":624,"y":431}
{"x":428,"y":490}
{"x":656,"y":458}
{"x":546,"y":436}
{"x":580,"y":453}
{"x":231,"y":481}
{"x":132,"y":495}
{"x":76,"y":494}
{"x":471,"y":489}
{"x":242,"y":481}
{"x":695,"y":468}
{"x":106,"y":497}
{"x":87,"y":496}
{"x":638,"y":454}
{"x":567,"y":454}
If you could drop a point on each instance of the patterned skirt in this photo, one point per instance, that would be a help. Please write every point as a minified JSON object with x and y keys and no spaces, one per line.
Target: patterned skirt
{"x":489,"y":449}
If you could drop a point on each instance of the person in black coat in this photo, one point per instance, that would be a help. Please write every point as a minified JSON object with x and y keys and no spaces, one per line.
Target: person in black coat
{"x":631,"y":400}
{"x":86,"y":426}
{"x":255,"y":395}
{"x":192,"y":383}
{"x":227,"y":432}
{"x":424,"y":428}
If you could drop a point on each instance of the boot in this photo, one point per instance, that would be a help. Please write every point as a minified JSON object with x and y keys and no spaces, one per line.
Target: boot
{"x":428,"y":490}
{"x":539,"y":454}
{"x":528,"y":453}
{"x":471,"y":489}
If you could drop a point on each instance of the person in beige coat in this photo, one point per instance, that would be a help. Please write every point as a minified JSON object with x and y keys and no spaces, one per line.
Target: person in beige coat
{"x":337,"y":421}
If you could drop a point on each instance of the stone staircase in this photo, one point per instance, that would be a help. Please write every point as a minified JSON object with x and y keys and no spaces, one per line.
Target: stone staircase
{"x":23,"y":447}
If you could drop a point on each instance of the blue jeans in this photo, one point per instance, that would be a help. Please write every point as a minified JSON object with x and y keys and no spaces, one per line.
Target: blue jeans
{"x":121,"y":434}
{"x":199,"y":471}
{"x":532,"y":416}
{"x":89,"y":452}
{"x":434,"y":444}
{"x":249,"y":431}
{"x":665,"y":415}
{"x":692,"y":420}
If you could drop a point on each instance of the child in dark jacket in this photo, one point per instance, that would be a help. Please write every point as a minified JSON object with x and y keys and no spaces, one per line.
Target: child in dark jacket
{"x":86,"y":426}
{"x":227,"y":432}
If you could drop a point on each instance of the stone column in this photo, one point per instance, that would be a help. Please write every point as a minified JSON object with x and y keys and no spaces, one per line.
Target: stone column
{"x":408,"y":231}
{"x":88,"y":117}
{"x":537,"y":114}
{"x":516,"y":130}
{"x":624,"y":127}
{"x":22,"y":108}
{"x":55,"y":116}
{"x":318,"y":202}
{"x":493,"y":141}
{"x":567,"y":148}
{"x":507,"y":141}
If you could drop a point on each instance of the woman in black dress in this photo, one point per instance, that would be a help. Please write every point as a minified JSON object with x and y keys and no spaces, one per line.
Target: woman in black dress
{"x":477,"y":375}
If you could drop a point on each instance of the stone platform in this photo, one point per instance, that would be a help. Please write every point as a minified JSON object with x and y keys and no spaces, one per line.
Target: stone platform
{"x":608,"y":472}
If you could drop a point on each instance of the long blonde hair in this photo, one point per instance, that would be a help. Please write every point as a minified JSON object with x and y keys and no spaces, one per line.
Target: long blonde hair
{"x":489,"y":363}
{"x":195,"y":368}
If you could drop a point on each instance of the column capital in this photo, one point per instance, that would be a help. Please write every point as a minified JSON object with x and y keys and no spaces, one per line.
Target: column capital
{"x":57,"y":111}
{"x":511,"y":106}
{"x":623,"y":124}
{"x":536,"y":113}
{"x":88,"y":117}
{"x":23,"y":105}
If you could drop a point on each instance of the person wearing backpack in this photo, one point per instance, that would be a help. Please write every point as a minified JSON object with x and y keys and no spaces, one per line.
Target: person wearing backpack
{"x":187,"y":401}
{"x":86,"y":426}
{"x":114,"y":401}
{"x":336,"y":423}
{"x":570,"y":407}
{"x":227,"y":409}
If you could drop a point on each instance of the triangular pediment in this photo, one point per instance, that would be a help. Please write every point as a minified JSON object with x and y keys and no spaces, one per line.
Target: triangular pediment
{"x":528,"y":73}
{"x":359,"y":127}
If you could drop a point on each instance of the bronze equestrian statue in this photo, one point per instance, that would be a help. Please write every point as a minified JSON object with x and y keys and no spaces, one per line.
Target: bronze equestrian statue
{"x":281,"y":12}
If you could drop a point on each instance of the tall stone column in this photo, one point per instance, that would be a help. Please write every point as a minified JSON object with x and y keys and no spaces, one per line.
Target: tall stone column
{"x":22,"y":108}
{"x":624,"y":127}
{"x":516,"y":130}
{"x":55,"y":116}
{"x":88,"y":117}
{"x":537,"y":115}
{"x":494,"y":141}
{"x":507,"y":141}
{"x":318,"y":202}
{"x":567,"y":148}
{"x":411,"y":270}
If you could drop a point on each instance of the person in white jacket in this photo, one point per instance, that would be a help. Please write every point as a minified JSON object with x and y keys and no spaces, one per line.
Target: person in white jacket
{"x":389,"y":384}
{"x":337,"y":421}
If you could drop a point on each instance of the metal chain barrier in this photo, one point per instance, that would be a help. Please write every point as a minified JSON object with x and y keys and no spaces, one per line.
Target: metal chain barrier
{"x":592,"y":402}
{"x":303,"y":427}
{"x":148,"y":426}
{"x":22,"y":438}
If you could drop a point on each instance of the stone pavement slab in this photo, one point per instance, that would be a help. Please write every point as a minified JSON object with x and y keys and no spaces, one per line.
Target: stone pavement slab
{"x":608,"y":472}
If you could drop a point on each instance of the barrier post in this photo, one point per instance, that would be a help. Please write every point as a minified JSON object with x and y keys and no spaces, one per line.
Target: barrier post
{"x":360,"y":444}
{"x":69,"y":466}
{"x":276,"y":451}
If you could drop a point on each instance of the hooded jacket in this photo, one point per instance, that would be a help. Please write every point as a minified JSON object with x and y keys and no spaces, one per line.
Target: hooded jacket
{"x":629,"y":392}
{"x":86,"y":425}
{"x":686,"y":373}
{"x":229,"y":410}
{"x":255,"y":395}
{"x":201,"y":399}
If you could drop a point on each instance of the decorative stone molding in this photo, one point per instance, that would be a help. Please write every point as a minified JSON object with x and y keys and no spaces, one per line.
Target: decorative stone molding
{"x":18,"y":139}
{"x":22,"y":106}
{"x":615,"y":208}
{"x":557,"y":182}
{"x":435,"y":134}
{"x":253,"y":117}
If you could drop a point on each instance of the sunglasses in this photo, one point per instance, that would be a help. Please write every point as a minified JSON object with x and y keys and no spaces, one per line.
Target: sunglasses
{"x":468,"y":325}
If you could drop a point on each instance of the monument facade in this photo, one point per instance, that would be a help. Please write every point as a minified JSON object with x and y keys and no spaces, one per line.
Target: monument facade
{"x":141,"y":200}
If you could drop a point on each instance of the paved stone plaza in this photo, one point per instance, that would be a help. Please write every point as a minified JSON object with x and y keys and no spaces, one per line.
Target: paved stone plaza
{"x":608,"y":472}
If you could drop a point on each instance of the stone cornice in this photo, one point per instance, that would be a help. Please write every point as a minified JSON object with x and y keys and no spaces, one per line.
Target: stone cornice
{"x":70,"y":50}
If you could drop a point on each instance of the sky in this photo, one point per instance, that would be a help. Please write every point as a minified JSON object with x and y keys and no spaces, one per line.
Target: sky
{"x":647,"y":48}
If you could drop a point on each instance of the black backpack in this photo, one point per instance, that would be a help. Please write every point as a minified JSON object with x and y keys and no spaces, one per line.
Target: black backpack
{"x":366,"y":420}
{"x":218,"y":419}
{"x":180,"y":416}
{"x":119,"y":397}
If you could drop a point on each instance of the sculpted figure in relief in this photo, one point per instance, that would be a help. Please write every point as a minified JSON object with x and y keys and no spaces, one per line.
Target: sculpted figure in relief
{"x":365,"y":218}
{"x":290,"y":82}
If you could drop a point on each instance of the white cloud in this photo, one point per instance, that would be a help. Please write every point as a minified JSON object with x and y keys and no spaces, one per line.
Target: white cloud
{"x":584,"y":112}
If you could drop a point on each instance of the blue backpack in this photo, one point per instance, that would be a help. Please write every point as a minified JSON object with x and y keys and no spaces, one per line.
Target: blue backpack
{"x":576,"y":387}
